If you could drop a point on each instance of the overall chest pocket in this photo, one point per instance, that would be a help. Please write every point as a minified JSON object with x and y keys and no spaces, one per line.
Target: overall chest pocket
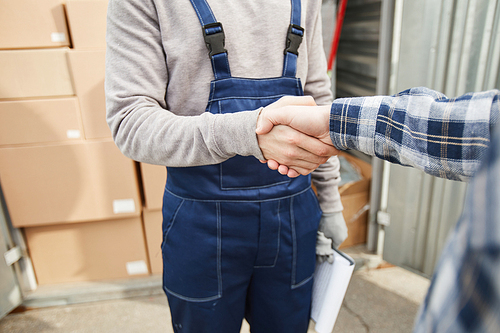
{"x":244,"y":94}
{"x":246,"y":172}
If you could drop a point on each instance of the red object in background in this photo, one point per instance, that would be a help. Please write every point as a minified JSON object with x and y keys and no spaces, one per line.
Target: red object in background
{"x":336,"y":35}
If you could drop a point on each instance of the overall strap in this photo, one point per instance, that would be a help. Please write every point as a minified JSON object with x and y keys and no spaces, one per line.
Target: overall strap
{"x":293,"y":40}
{"x":213,"y":33}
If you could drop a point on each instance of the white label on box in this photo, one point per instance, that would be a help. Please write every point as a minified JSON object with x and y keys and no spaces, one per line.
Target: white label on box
{"x":58,"y":37}
{"x":73,"y":134}
{"x":123,"y":206}
{"x":137,"y":267}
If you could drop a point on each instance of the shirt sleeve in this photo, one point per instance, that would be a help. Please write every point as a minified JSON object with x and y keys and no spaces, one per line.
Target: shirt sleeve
{"x":419,"y":127}
{"x":136,"y":110}
{"x":326,"y":179}
{"x":464,"y":295}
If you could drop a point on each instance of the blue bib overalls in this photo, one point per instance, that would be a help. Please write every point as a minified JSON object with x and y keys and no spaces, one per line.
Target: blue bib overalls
{"x":238,"y":238}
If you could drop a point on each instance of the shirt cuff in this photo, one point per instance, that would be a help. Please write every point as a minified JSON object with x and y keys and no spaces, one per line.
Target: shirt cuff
{"x":234,"y":134}
{"x":353,"y":122}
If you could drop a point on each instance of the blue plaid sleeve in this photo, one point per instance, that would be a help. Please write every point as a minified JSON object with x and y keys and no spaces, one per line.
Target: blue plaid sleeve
{"x":464,"y":295}
{"x":418,"y":127}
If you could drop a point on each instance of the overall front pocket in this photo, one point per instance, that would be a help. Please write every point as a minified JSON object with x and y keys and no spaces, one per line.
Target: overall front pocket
{"x":191,"y":252}
{"x":305,"y":217}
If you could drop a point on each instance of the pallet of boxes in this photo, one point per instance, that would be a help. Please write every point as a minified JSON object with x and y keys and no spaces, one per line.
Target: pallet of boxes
{"x":65,"y":183}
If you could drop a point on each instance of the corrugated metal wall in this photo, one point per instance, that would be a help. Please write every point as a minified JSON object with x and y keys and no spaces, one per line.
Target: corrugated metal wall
{"x":358,"y":49}
{"x":362,"y":69}
{"x":452,"y":46}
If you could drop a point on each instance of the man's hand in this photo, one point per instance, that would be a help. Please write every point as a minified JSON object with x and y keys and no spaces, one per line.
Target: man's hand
{"x":333,"y":227}
{"x":289,"y":150}
{"x":294,"y":149}
{"x":302,"y":114}
{"x":324,"y":250}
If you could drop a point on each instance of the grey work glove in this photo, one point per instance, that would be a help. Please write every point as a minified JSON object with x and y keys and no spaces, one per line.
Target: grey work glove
{"x":324,"y":251}
{"x":333,"y":226}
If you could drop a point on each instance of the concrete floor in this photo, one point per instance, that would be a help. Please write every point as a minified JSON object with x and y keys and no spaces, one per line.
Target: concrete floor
{"x":378,"y":300}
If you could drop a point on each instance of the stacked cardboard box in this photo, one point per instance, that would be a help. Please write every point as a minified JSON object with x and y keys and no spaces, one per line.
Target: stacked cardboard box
{"x":87,"y":25}
{"x":109,"y":249}
{"x":28,"y":24}
{"x":64,"y":180}
{"x":355,"y":198}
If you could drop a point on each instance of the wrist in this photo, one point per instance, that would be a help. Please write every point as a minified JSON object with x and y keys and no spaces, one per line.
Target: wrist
{"x":324,"y":111}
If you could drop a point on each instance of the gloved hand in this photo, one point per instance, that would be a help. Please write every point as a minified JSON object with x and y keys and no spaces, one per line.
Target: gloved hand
{"x":324,"y":251}
{"x":333,"y":226}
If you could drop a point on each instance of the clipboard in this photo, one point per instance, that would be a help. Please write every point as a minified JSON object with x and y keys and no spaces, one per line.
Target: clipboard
{"x":329,"y":288}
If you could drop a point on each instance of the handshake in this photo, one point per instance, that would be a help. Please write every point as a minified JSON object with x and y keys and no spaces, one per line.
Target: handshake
{"x":294,"y":135}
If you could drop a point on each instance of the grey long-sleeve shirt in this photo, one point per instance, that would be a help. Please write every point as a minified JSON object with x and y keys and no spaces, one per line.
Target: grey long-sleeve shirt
{"x":158,"y":77}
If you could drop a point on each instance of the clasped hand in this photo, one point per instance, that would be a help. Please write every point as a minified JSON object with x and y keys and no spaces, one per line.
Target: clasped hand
{"x":293,"y":135}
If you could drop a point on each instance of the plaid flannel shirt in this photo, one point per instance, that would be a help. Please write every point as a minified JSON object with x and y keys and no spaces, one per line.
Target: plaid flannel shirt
{"x":464,"y":295}
{"x":448,"y":138}
{"x":418,"y":127}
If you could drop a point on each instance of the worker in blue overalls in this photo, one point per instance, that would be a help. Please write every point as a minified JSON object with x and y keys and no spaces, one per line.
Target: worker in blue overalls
{"x":239,"y":238}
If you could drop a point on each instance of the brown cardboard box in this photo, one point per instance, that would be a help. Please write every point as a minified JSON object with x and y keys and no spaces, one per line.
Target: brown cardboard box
{"x":154,"y":178}
{"x":32,"y":24}
{"x":87,"y":23}
{"x":34,"y":73}
{"x":70,"y":182}
{"x":89,"y":251}
{"x":39,"y":121}
{"x":154,"y":236}
{"x":87,"y":70}
{"x":355,"y":199}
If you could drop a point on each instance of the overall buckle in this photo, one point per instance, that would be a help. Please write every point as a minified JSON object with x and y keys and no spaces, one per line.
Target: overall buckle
{"x":213,"y":33}
{"x":294,"y":38}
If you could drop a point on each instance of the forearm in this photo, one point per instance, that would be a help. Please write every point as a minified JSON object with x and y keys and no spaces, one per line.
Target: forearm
{"x":420,"y":128}
{"x":156,"y":136}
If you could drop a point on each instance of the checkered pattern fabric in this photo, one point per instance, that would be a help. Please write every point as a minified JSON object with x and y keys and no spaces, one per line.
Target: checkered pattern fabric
{"x":464,"y":295}
{"x":448,"y":138}
{"x":418,"y":127}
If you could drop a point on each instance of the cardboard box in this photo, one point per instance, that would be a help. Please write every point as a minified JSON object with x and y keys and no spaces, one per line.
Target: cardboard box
{"x":87,"y":70}
{"x":355,"y":198}
{"x":87,"y":23}
{"x":153,"y":220}
{"x":32,"y":24}
{"x":39,"y":121}
{"x":34,"y":73}
{"x":154,"y":178}
{"x":70,"y":182}
{"x":89,"y":251}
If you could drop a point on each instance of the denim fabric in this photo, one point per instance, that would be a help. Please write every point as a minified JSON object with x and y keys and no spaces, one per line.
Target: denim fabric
{"x":238,"y":238}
